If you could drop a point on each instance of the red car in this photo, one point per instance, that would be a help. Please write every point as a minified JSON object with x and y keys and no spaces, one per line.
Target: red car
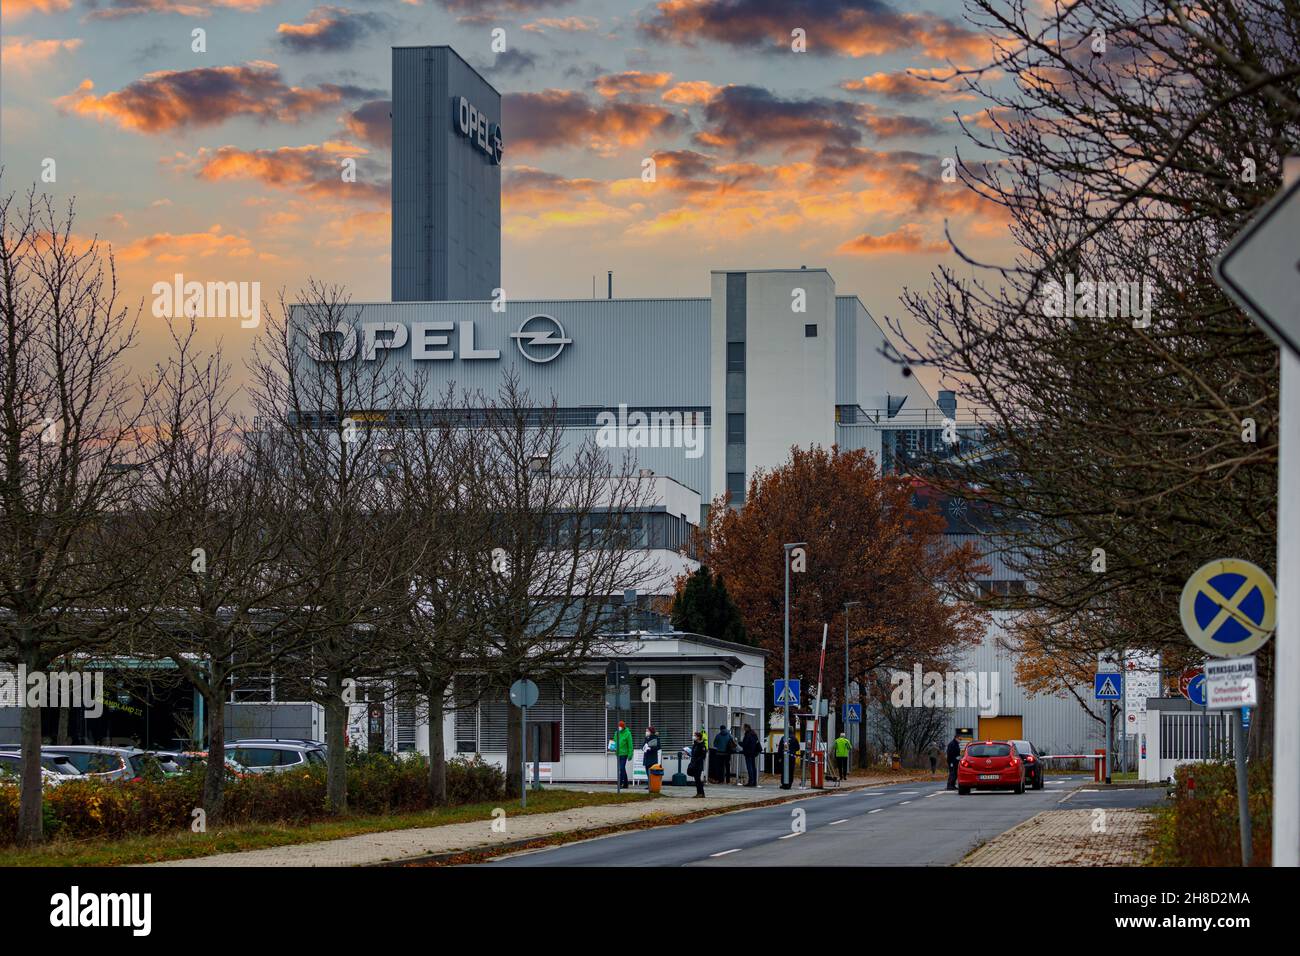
{"x":990,"y":765}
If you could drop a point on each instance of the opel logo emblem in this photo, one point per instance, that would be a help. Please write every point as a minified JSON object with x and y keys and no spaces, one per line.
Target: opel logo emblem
{"x":541,"y":338}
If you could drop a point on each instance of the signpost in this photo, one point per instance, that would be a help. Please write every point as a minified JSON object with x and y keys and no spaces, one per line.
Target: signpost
{"x":1228,"y":610}
{"x":1108,"y":686}
{"x":788,"y":551}
{"x":1260,"y":269}
{"x":854,"y":714}
{"x":523,"y":694}
{"x":786,"y":692}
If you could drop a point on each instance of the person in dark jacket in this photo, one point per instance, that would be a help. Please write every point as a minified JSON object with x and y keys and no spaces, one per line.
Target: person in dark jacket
{"x":724,"y":745}
{"x":650,"y":748}
{"x":792,"y":742}
{"x":695,"y":769}
{"x":750,"y":747}
{"x":954,"y":755}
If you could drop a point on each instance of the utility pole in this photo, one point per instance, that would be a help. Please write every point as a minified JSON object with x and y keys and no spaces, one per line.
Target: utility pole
{"x":786,"y":777}
{"x":847,"y":605}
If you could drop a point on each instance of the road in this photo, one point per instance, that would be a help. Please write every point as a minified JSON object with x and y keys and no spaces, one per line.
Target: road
{"x":905,"y":824}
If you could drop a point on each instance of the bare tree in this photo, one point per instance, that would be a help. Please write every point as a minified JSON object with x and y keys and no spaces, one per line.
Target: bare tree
{"x":68,"y":413}
{"x":565,"y":544}
{"x":209,"y":516}
{"x":323,"y":403}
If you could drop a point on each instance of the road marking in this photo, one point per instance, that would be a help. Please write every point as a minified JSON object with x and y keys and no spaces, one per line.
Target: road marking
{"x":877,"y":810}
{"x":788,"y":836}
{"x":908,"y":793}
{"x":905,"y":803}
{"x":724,"y":853}
{"x":837,"y":822}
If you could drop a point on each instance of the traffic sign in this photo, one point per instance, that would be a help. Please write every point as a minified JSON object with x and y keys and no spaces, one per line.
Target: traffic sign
{"x":1245,"y":718}
{"x":1107,"y":686}
{"x":1185,"y":679}
{"x":1196,"y":689}
{"x":1260,"y":269}
{"x":786,"y":694}
{"x":1228,"y":608}
{"x":618,"y":698}
{"x":854,"y":715}
{"x":523,"y":693}
{"x":1230,"y":683}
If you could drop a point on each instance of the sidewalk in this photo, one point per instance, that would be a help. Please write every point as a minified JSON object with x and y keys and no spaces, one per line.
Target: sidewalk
{"x":1068,"y":838}
{"x":378,"y":848}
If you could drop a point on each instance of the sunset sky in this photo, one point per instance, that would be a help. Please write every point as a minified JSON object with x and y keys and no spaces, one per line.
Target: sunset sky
{"x":225,"y":165}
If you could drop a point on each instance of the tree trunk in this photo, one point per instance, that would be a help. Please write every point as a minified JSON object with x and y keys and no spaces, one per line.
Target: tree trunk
{"x":437,"y":745}
{"x":214,"y":776}
{"x":336,"y":724}
{"x":30,"y":823}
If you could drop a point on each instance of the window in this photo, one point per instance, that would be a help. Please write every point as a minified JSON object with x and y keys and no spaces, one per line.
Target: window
{"x":810,"y":331}
{"x":736,"y":485}
{"x":735,"y":356}
{"x":735,"y":428}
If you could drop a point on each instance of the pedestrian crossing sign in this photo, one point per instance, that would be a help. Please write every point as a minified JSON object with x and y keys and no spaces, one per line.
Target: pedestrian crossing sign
{"x":1107,"y":686}
{"x":786,"y":693}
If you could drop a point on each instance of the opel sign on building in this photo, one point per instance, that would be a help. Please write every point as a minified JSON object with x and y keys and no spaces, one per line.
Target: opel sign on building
{"x":540,"y":339}
{"x":474,"y":125}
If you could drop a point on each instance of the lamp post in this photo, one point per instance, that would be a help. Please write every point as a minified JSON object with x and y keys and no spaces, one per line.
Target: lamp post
{"x":847,"y":605}
{"x":786,"y":777}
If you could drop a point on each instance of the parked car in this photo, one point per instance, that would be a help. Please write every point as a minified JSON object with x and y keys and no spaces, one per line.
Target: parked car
{"x":1033,"y":758}
{"x":990,"y":765}
{"x":242,"y":741}
{"x":55,"y":768}
{"x":274,"y":756}
{"x":166,"y":762}
{"x":99,"y":763}
{"x":190,"y":758}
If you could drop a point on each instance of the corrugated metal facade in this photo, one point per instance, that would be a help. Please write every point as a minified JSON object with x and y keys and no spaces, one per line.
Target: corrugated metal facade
{"x":446,"y":193}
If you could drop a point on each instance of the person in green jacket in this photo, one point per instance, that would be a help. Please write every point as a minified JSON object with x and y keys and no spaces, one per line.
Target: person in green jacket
{"x":842,"y":749}
{"x":623,"y":748}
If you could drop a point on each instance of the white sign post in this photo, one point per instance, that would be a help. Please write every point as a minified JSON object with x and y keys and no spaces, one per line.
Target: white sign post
{"x":1230,"y":683}
{"x":1261,"y":271}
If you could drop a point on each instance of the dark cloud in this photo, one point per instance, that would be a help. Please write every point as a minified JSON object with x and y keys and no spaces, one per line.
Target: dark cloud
{"x":565,"y":118}
{"x":489,"y":7}
{"x":329,"y":30}
{"x":840,"y":27}
{"x":372,"y":123}
{"x":513,"y":62}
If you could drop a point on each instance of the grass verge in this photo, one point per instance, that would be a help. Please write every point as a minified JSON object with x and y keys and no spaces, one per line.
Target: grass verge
{"x":157,"y":848}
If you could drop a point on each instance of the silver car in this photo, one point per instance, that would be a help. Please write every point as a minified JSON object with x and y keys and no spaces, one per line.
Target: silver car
{"x":273,"y":756}
{"x":98,"y":763}
{"x":55,"y":768}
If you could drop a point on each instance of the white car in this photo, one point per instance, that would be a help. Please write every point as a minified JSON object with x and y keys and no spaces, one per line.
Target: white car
{"x":55,"y":769}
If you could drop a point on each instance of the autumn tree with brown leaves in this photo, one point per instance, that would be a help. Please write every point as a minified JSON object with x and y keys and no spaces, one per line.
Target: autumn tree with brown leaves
{"x":867,"y":541}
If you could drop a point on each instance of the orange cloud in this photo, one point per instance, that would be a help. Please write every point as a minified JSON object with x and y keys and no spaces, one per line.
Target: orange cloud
{"x":564,"y":118}
{"x":17,"y":9}
{"x":906,"y":86}
{"x":312,"y":169}
{"x":172,"y":99}
{"x":562,"y":24}
{"x":904,"y":239}
{"x":630,"y":82}
{"x":20,"y":53}
{"x":170,"y":248}
{"x":691,"y":92}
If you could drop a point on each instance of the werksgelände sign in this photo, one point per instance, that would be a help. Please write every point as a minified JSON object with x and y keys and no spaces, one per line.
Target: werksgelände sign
{"x":475,"y":126}
{"x":540,"y":338}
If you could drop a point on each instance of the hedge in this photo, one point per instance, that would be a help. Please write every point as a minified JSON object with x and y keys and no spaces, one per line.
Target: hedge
{"x":378,"y":784}
{"x":1203,"y":830}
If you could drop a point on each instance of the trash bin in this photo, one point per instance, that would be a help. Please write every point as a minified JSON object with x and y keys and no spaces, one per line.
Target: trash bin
{"x":656,"y":778}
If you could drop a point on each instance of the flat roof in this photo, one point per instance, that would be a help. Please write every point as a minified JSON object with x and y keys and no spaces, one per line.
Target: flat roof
{"x":447,"y":46}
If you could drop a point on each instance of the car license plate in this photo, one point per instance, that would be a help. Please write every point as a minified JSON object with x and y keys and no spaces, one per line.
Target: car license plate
{"x":989,"y":776}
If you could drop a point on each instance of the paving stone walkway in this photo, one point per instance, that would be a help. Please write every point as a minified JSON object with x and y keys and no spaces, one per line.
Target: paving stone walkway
{"x":1070,"y":838}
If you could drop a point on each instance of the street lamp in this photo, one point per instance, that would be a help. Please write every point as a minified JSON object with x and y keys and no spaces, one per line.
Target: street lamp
{"x":786,"y":776}
{"x":847,"y":605}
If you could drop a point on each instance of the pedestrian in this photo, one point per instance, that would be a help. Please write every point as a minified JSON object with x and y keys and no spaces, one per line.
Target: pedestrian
{"x":842,"y":748}
{"x":696,"y":767}
{"x":723,"y":745}
{"x":750,"y":747}
{"x":788,"y":742}
{"x":650,"y":748}
{"x":934,"y":761}
{"x":623,"y":748}
{"x":954,"y":755}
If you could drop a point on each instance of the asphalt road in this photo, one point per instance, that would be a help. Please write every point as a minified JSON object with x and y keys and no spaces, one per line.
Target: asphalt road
{"x":906,"y":824}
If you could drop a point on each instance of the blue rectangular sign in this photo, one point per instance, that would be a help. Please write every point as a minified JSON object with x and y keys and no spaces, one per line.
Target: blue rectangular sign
{"x":780,"y":694}
{"x":854,"y":715}
{"x":1108,"y":686}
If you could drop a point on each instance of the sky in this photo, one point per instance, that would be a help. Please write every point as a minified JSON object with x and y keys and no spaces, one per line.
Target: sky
{"x":218,"y":156}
